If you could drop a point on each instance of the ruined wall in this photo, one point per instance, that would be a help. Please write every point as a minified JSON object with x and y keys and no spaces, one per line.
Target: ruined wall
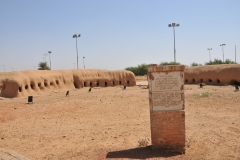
{"x":213,"y":74}
{"x":25,"y":83}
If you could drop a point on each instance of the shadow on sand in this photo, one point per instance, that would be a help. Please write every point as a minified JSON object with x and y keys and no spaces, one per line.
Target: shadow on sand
{"x":140,"y":153}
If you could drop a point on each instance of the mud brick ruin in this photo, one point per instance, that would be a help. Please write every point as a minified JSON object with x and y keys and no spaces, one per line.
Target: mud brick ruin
{"x":25,"y":83}
{"x":167,"y":115}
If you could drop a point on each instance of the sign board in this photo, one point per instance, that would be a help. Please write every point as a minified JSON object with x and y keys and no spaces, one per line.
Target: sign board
{"x":166,"y":88}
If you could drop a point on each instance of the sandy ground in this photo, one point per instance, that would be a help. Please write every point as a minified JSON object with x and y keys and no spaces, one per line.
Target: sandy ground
{"x":110,"y":123}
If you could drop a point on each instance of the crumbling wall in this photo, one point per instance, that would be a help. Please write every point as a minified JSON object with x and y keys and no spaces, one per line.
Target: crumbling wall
{"x":213,"y":74}
{"x":24,"y":83}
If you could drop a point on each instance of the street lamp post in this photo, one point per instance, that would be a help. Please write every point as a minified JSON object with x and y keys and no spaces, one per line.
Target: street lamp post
{"x":49,"y":52}
{"x":235,"y":53}
{"x":74,"y":65}
{"x":45,"y":54}
{"x":209,"y":53}
{"x":83,"y":62}
{"x":223,"y":50}
{"x":174,"y":25}
{"x":76,"y":36}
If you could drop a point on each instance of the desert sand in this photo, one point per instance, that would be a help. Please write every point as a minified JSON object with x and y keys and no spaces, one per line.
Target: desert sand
{"x":112,"y":123}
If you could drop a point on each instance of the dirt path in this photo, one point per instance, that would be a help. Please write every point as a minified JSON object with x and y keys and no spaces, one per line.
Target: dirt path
{"x":110,"y":122}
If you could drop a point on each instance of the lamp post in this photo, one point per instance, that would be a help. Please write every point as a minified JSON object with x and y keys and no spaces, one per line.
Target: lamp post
{"x":223,"y":50}
{"x":49,"y":52}
{"x":83,"y":62}
{"x":209,"y":53}
{"x":235,"y":53}
{"x":45,"y":54}
{"x":174,"y":25}
{"x":74,"y":65}
{"x":76,"y":36}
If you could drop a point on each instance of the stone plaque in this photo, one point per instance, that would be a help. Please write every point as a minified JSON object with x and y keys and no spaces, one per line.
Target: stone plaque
{"x":166,"y":90}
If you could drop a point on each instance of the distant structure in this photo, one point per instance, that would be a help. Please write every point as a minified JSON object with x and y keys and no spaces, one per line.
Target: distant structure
{"x":224,"y":74}
{"x":25,"y":83}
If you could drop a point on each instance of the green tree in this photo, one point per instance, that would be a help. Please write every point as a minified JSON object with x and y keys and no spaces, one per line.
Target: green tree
{"x":218,"y":61}
{"x":195,"y":64}
{"x":43,"y":66}
{"x":169,"y":63}
{"x":140,"y":70}
{"x":228,"y":61}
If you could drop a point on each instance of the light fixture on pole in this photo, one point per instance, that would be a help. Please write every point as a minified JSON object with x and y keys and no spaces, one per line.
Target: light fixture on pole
{"x":76,"y":36}
{"x":209,"y":54}
{"x":223,"y":50}
{"x":49,"y":52}
{"x":83,"y":62}
{"x":174,"y":25}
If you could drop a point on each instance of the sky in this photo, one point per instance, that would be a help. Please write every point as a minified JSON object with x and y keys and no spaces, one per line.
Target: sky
{"x":116,"y":34}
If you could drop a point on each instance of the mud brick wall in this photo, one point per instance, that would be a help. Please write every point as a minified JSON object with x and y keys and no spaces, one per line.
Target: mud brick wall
{"x":166,"y":100}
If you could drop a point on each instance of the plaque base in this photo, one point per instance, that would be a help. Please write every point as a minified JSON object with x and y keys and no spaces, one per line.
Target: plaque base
{"x":168,"y":130}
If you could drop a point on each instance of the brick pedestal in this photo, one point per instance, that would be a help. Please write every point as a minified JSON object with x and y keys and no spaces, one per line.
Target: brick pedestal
{"x":167,"y":115}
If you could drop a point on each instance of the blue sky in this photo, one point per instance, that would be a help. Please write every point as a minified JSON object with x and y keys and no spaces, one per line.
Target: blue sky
{"x":116,"y":34}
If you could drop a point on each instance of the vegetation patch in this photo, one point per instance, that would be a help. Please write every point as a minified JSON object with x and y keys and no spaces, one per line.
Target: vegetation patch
{"x":203,"y":95}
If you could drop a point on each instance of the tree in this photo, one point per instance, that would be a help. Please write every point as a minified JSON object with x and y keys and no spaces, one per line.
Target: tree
{"x":140,"y":70}
{"x":195,"y":64}
{"x":228,"y":61}
{"x":43,"y":66}
{"x":169,"y":63}
{"x":218,"y":61}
